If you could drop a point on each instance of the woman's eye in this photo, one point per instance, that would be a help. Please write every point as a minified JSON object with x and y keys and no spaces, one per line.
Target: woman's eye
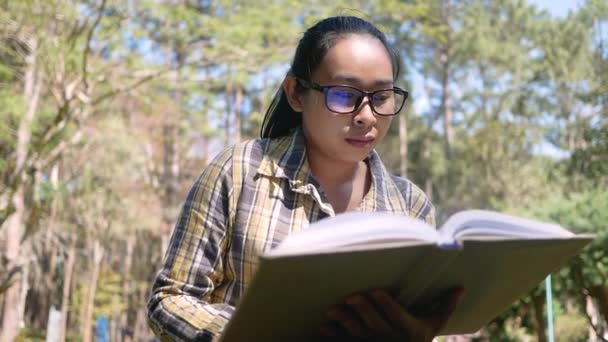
{"x":345,"y":94}
{"x":382,"y":97}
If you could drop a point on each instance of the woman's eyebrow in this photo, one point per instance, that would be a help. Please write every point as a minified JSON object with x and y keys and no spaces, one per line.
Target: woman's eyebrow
{"x":355,"y":80}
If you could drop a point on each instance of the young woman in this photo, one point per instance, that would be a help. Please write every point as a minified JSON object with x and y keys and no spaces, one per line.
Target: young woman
{"x":315,"y":159}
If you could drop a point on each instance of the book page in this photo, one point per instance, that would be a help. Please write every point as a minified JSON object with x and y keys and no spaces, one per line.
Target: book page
{"x":357,"y":231}
{"x":481,"y":224}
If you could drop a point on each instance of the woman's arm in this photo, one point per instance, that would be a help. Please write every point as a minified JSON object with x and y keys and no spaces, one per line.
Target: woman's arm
{"x":193,"y":265}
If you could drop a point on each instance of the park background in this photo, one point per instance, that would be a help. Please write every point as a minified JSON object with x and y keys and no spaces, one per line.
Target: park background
{"x":109,"y":109}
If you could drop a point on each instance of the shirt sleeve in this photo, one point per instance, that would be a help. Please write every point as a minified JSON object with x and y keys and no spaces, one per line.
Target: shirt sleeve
{"x":179,"y":308}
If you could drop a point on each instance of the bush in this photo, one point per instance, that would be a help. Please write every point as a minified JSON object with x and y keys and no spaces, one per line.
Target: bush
{"x":571,"y":327}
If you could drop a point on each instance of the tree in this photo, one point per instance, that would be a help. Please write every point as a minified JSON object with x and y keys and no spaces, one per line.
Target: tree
{"x":51,"y":58}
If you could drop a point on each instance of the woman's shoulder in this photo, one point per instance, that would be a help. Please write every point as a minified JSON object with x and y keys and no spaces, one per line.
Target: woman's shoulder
{"x":408,"y":189}
{"x":405,"y":185}
{"x":248,"y":154}
{"x":252,"y":152}
{"x":242,"y":151}
{"x":417,"y":202}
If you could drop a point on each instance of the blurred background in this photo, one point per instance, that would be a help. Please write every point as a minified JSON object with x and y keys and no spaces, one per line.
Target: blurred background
{"x":109,"y":109}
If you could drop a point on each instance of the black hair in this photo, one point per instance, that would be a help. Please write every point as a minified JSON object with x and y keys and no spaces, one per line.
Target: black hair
{"x":280,"y":118}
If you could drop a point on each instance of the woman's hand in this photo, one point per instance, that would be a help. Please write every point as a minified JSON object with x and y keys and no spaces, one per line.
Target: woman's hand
{"x":377,"y":316}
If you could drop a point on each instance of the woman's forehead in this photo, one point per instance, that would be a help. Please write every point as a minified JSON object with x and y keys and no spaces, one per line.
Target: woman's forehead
{"x":357,"y":59}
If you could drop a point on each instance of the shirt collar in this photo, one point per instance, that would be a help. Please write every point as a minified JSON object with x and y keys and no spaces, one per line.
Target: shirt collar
{"x":285,"y":157}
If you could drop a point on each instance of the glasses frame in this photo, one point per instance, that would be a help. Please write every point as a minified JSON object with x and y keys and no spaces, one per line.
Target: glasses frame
{"x":324,"y":89}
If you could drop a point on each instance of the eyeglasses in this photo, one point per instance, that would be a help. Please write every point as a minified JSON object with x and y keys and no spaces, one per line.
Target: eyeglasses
{"x":344,"y":99}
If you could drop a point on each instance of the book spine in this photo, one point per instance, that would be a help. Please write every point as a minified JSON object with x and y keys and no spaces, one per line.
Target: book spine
{"x":448,"y":243}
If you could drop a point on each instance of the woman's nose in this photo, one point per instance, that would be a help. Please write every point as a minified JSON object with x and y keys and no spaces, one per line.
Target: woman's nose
{"x":364,"y":116}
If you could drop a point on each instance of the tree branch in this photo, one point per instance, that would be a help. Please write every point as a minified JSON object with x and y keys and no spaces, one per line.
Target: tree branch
{"x":116,"y":91}
{"x":87,"y":47}
{"x":58,"y":150}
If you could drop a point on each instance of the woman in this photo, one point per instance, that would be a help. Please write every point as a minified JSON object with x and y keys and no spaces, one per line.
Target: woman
{"x":315,"y":159}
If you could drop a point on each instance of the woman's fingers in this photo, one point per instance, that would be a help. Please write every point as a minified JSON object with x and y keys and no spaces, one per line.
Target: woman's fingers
{"x":369,"y":314}
{"x":377,"y":313}
{"x":329,"y":330}
{"x":348,"y":321}
{"x":440,"y":317}
{"x":401,"y":319}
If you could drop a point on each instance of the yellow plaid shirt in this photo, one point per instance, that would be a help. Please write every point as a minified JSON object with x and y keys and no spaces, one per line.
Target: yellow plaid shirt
{"x":246,"y":201}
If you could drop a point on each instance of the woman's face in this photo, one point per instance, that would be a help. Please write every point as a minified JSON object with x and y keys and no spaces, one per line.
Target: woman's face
{"x":360,"y":61}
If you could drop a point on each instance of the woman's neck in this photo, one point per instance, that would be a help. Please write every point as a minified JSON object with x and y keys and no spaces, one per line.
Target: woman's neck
{"x":345,"y":184}
{"x":331,"y":171}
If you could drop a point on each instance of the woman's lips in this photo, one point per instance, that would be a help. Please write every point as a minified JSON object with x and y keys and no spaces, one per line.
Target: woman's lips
{"x":360,"y":143}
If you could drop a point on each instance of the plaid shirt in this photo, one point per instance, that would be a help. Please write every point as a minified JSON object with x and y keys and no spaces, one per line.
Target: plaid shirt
{"x":245,"y":202}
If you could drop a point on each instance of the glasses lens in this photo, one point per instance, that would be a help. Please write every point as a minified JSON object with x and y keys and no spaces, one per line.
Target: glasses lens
{"x":342,"y":99}
{"x":388,"y":102}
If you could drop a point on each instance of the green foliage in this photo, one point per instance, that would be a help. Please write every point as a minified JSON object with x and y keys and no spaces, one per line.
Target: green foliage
{"x":512,"y":332}
{"x":108,"y":297}
{"x":518,"y":79}
{"x":571,"y":327}
{"x":31,"y":335}
{"x":493,"y":167}
{"x":591,"y":161}
{"x":110,"y":194}
{"x":11,"y":109}
{"x":585,"y":212}
{"x":6,"y":72}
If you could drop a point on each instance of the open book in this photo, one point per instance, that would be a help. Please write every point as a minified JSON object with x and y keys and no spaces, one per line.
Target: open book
{"x":497,"y":258}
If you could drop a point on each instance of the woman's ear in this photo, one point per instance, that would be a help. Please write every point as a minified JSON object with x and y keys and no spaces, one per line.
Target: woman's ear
{"x":290,"y":85}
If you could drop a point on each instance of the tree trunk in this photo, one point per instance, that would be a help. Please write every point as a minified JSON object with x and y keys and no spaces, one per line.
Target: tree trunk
{"x":164,"y":239}
{"x":46,"y":300}
{"x":238,"y":104}
{"x":23,"y":290}
{"x":50,"y":249}
{"x":67,"y":285}
{"x":426,"y":157}
{"x":446,"y":107}
{"x":170,"y":180}
{"x":15,"y":222}
{"x":591,"y":313}
{"x":115,"y":328}
{"x":403,"y":145}
{"x":126,"y":282}
{"x":14,"y":230}
{"x":141,"y":331}
{"x":229,"y":109}
{"x":444,"y":60}
{"x":538,"y":320}
{"x":428,"y":187}
{"x":89,"y":303}
{"x":597,"y":326}
{"x":170,"y":177}
{"x":600,"y":295}
{"x":586,"y":299}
